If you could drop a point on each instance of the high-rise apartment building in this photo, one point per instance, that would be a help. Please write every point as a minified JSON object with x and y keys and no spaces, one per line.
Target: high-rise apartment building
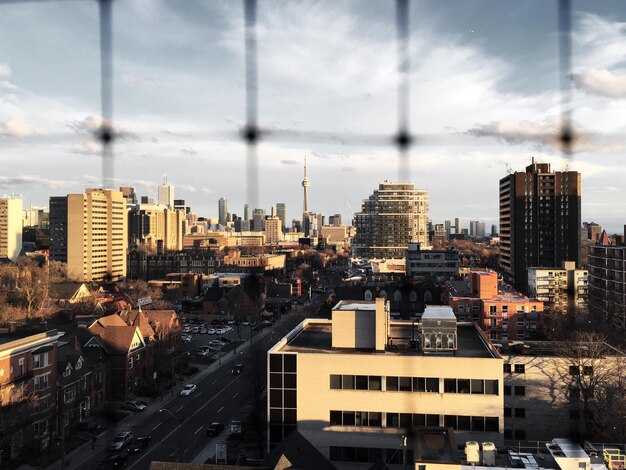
{"x":281,"y":213}
{"x":334,"y":220}
{"x":155,"y":225}
{"x":96,"y":235}
{"x":10,"y":227}
{"x":273,"y":229}
{"x":58,"y":228}
{"x":312,"y":224}
{"x":559,"y":288}
{"x":166,"y":194}
{"x":222,"y":207}
{"x":394,"y":215}
{"x":457,"y":225}
{"x":539,"y":221}
{"x":447,"y":226}
{"x":258,"y":220}
{"x":246,"y":212}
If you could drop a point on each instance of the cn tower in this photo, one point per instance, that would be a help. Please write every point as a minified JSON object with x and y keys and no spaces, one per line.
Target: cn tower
{"x":305,"y":185}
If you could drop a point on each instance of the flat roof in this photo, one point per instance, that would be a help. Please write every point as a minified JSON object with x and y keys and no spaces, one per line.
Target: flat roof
{"x":438,"y":312}
{"x":355,"y":305}
{"x":316,"y":338}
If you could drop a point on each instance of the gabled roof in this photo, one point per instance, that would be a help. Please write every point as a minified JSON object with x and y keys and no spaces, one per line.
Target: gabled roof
{"x":66,"y":290}
{"x":116,"y":336}
{"x":604,"y":239}
{"x":140,"y":320}
{"x":297,"y":453}
{"x":213,"y":294}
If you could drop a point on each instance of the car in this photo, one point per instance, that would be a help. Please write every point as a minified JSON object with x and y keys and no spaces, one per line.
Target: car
{"x":186,"y":339}
{"x":195,"y":329}
{"x":227,"y":329}
{"x":138,"y":444}
{"x":121,"y":440}
{"x":211,"y":331}
{"x":214,"y":429}
{"x":245,"y":323}
{"x":238,"y":369}
{"x":113,"y":461}
{"x":220,"y":331}
{"x":253,"y":323}
{"x":188,"y":390}
{"x":224,"y":340}
{"x":231,"y":322}
{"x":216,"y":343}
{"x":203,"y":331}
{"x":133,"y":405}
{"x":187,"y":329}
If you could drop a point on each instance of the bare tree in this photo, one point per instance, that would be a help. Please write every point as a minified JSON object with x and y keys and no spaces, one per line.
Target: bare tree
{"x":31,"y":281}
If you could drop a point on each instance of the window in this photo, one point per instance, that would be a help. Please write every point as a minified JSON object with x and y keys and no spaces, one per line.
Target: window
{"x":492,"y":424}
{"x":520,"y":391}
{"x":37,"y":361}
{"x":478,"y":387}
{"x":520,"y":321}
{"x":505,"y":309}
{"x":574,"y":370}
{"x":375,"y":382}
{"x":432,"y":385}
{"x":492,"y":309}
{"x":392,"y":384}
{"x":520,"y":368}
{"x":130,"y":362}
{"x":507,"y":368}
{"x":449,"y":385}
{"x":393,"y":420}
{"x":405,"y":384}
{"x":335,"y":381}
{"x":507,"y":390}
{"x":491,"y":387}
{"x":507,"y":412}
{"x":520,"y":412}
{"x":347,"y":382}
{"x":361,"y":382}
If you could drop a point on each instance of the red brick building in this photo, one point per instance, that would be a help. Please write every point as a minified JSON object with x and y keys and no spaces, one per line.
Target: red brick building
{"x":499,"y":310}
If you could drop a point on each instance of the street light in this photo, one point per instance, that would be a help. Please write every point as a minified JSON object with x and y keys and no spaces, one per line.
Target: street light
{"x":180,"y":420}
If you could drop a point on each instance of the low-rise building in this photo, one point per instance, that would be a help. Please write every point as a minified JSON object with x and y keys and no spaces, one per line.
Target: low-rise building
{"x":556,"y":287}
{"x":435,"y":263}
{"x":364,"y":380}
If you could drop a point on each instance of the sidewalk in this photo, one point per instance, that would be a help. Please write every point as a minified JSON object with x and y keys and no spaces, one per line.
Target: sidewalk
{"x":84,"y":452}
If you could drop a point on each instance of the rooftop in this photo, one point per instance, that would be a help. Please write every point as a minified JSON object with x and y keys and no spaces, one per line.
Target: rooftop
{"x":355,"y":305}
{"x":315,"y":336}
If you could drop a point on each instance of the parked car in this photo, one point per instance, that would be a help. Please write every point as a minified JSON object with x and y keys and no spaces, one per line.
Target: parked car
{"x":203,"y":331}
{"x":202,"y":352}
{"x":188,"y":390}
{"x":238,"y":369}
{"x":195,"y":329}
{"x":187,"y":329}
{"x":231,"y":322}
{"x":245,"y":323}
{"x":219,"y":331}
{"x":211,"y":331}
{"x":133,"y":405}
{"x":121,"y":440}
{"x":224,"y":340}
{"x":113,"y":461}
{"x":214,"y":429}
{"x":216,"y":343}
{"x":186,"y":338}
{"x":138,"y":444}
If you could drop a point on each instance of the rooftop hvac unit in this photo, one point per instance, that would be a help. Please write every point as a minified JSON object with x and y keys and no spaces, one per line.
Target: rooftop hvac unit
{"x":489,"y":454}
{"x":472,"y":452}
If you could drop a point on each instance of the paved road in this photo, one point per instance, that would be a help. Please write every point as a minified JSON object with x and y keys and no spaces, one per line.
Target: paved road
{"x":220,"y":396}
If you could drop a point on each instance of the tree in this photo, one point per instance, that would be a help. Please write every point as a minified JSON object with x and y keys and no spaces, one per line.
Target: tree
{"x":31,"y":281}
{"x":595,"y":376}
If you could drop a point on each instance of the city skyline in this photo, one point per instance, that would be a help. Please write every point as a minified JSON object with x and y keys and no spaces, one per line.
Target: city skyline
{"x":498,"y":117}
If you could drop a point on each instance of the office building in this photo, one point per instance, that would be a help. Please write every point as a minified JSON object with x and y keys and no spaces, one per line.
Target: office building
{"x":273,"y":229}
{"x":58,"y":228}
{"x":335,"y":220}
{"x":457,"y":225}
{"x":559,"y":288}
{"x":592,"y":231}
{"x":222,"y":207}
{"x":35,"y":217}
{"x":312,"y":224}
{"x":96,"y":235}
{"x":166,"y":194}
{"x":334,"y":234}
{"x":447,"y":227}
{"x":129,"y":194}
{"x":494,"y":230}
{"x":539,"y":221}
{"x":364,"y":380}
{"x":281,"y":213}
{"x":607,"y":275}
{"x":433,"y":263}
{"x":155,"y":225}
{"x":258,"y":220}
{"x":10,"y":227}
{"x":246,"y":212}
{"x":395,"y":215}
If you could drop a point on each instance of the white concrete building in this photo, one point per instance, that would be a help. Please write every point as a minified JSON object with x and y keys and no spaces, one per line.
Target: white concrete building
{"x":10,"y":227}
{"x":555,"y":286}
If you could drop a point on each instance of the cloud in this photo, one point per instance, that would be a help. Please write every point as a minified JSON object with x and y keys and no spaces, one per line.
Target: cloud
{"x":25,"y":180}
{"x":130,"y":78}
{"x":5,"y":71}
{"x":189,"y":151}
{"x":347,"y":169}
{"x":602,"y":82}
{"x":289,"y":162}
{"x":15,"y":128}
{"x":93,"y":125}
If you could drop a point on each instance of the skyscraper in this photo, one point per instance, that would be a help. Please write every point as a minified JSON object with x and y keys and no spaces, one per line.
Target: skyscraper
{"x":305,"y":186}
{"x":10,"y":227}
{"x":394,"y":215}
{"x":222,"y":207}
{"x":166,"y":194}
{"x":447,"y":226}
{"x":457,"y":225}
{"x":258,"y":220}
{"x":539,"y":221}
{"x":96,"y":235}
{"x":273,"y":229}
{"x":58,"y":228}
{"x":281,"y":213}
{"x":246,"y":212}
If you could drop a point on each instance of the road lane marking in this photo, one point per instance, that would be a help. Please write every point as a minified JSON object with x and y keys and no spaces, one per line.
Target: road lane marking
{"x":220,"y":409}
{"x":156,"y":446}
{"x":172,"y":454}
{"x":214,"y":382}
{"x":235,"y":395}
{"x":180,"y":408}
{"x":198,"y":394}
{"x":157,"y":426}
{"x":199,"y":429}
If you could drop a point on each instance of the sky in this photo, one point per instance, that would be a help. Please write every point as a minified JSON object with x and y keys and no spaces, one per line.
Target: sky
{"x":484,"y":92}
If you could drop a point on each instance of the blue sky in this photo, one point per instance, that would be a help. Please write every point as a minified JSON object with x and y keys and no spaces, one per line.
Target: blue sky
{"x":484,"y":87}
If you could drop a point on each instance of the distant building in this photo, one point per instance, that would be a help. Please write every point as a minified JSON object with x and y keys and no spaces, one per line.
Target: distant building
{"x":58,"y":228}
{"x":435,"y":263}
{"x":273,"y":229}
{"x":447,"y":226}
{"x":362,"y":381}
{"x":149,"y":224}
{"x":246,"y":212}
{"x":334,"y":233}
{"x":494,"y":230}
{"x":502,"y":314}
{"x":142,"y":265}
{"x":592,"y":231}
{"x":439,"y":232}
{"x":222,"y":211}
{"x":556,"y":287}
{"x":258,"y":220}
{"x":96,"y":235}
{"x":539,"y":221}
{"x":281,"y":213}
{"x":457,"y":225}
{"x":334,"y":220}
{"x":392,"y":217}
{"x":312,"y":224}
{"x":10,"y":227}
{"x":129,"y":194}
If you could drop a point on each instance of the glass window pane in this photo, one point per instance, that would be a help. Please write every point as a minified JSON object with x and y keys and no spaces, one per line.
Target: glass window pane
{"x":405,"y":420}
{"x":432,"y":420}
{"x":276,"y":362}
{"x":375,"y":382}
{"x":375,"y":454}
{"x":449,"y":385}
{"x":419,"y":420}
{"x":361,"y":454}
{"x":491,"y":424}
{"x":491,"y":387}
{"x":349,"y":454}
{"x":290,"y":399}
{"x":348,"y":418}
{"x":276,"y":433}
{"x":432,"y":385}
{"x":463,"y":385}
{"x":360,"y":418}
{"x":276,"y":416}
{"x":361,"y":382}
{"x":393,"y":420}
{"x":276,"y":398}
{"x":449,"y":421}
{"x":335,"y":382}
{"x":405,"y":384}
{"x":335,"y":418}
{"x":392,"y":384}
{"x":290,"y":380}
{"x":276,"y":380}
{"x":394,"y":455}
{"x":336,"y":453}
{"x":463,"y":423}
{"x":478,"y":386}
{"x":348,"y":382}
{"x":290,"y":363}
{"x":478,"y":423}
{"x":290,"y":416}
{"x":419,"y":384}
{"x":375,"y":419}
